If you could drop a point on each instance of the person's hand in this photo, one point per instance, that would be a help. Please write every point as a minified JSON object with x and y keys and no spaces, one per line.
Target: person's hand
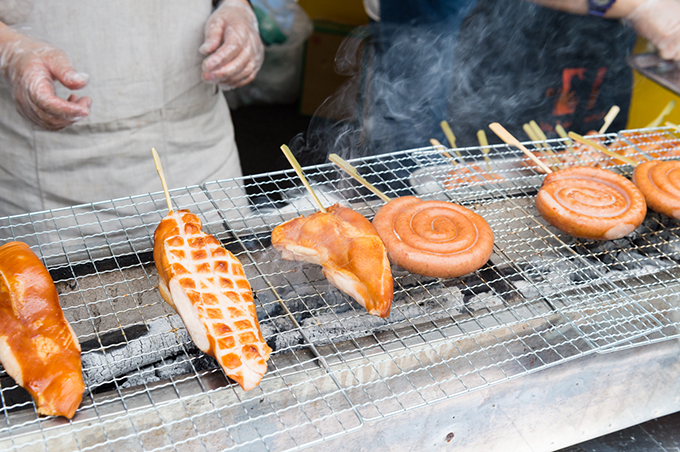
{"x":233,"y":45}
{"x":659,"y":22}
{"x":31,"y":67}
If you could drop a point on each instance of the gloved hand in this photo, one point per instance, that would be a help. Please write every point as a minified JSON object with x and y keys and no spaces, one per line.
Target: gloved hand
{"x":31,"y":67}
{"x":232,"y":41}
{"x":659,"y":22}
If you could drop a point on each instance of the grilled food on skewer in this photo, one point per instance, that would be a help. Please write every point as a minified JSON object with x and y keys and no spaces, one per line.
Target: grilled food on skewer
{"x":38,"y":348}
{"x":206,"y":284}
{"x":348,"y":248}
{"x":591,"y":203}
{"x":434,"y":238}
{"x":585,"y":202}
{"x":659,"y":182}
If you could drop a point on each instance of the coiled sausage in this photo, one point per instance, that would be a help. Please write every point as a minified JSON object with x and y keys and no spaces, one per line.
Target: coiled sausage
{"x":434,"y":238}
{"x":591,"y":203}
{"x":659,"y":182}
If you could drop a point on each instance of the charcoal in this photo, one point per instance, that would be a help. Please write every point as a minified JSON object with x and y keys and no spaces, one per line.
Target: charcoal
{"x":670,"y":250}
{"x":166,"y":337}
{"x":145,"y":375}
{"x":584,"y":274}
{"x":330,"y":327}
{"x":633,"y":260}
{"x":484,"y":300}
{"x":169,"y":368}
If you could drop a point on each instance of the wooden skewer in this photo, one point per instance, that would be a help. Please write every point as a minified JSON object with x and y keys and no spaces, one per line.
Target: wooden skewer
{"x":562,"y":133}
{"x":675,"y":126}
{"x":609,"y":118}
{"x":159,"y":169}
{"x":531,"y":133}
{"x":437,"y":144}
{"x":537,"y":129}
{"x":568,"y":142}
{"x":298,"y":169}
{"x":542,"y":137}
{"x":449,"y":136}
{"x":444,"y":152}
{"x":578,"y":138}
{"x":349,"y":169}
{"x":509,"y":139}
{"x":667,"y":109}
{"x":484,"y":143}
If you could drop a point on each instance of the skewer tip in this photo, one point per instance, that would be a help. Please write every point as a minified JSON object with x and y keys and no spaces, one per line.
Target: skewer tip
{"x":509,"y":138}
{"x":161,"y":175}
{"x":298,"y":170}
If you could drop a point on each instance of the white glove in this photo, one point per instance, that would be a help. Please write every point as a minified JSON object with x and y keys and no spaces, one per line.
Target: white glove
{"x":659,"y":22}
{"x":31,"y":67}
{"x":232,"y":41}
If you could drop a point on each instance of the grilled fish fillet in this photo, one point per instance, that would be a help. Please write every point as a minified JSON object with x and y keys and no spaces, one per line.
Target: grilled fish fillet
{"x":348,"y":247}
{"x":206,"y":285}
{"x":38,"y":347}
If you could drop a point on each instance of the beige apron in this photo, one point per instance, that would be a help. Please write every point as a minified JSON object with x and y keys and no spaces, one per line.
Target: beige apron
{"x":145,"y":82}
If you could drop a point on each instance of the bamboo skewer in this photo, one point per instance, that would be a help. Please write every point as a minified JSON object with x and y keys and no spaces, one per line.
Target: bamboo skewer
{"x":675,"y":126}
{"x":349,"y":169}
{"x":511,"y":140}
{"x":665,"y":112}
{"x":580,"y":139}
{"x":530,"y":132}
{"x":609,"y":118}
{"x":444,"y":152}
{"x":562,"y":133}
{"x":449,"y":136}
{"x":484,"y":143}
{"x":568,"y":142}
{"x":543,"y":138}
{"x":298,"y":169}
{"x":159,"y":169}
{"x":537,"y":129}
{"x":533,"y":136}
{"x":437,"y":144}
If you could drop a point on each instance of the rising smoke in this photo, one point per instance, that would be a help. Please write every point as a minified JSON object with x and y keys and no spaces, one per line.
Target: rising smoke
{"x":508,"y":63}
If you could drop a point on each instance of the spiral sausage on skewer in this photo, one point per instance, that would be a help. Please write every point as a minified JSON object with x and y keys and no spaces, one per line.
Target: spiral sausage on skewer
{"x":659,"y":182}
{"x":434,"y":238}
{"x":591,"y":203}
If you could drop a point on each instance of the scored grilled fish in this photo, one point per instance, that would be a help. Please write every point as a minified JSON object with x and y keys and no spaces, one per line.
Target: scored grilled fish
{"x":206,"y":285}
{"x":38,"y":347}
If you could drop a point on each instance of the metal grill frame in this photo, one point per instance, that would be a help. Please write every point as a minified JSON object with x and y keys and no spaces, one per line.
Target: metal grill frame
{"x":543,"y":299}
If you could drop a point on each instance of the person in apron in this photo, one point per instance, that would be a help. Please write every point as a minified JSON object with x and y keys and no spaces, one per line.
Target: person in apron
{"x":153,"y":70}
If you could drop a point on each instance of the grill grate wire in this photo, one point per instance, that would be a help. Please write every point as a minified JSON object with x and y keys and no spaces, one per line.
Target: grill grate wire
{"x":543,"y":299}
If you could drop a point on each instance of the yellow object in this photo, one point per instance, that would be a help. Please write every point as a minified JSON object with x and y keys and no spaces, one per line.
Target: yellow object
{"x":649,"y":98}
{"x":665,"y":112}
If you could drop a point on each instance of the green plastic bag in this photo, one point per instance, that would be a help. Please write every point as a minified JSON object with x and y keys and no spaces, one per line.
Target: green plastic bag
{"x":270,"y":32}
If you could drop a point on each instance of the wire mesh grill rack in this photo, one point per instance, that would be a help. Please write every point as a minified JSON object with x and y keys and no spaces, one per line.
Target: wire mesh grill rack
{"x":543,"y":298}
